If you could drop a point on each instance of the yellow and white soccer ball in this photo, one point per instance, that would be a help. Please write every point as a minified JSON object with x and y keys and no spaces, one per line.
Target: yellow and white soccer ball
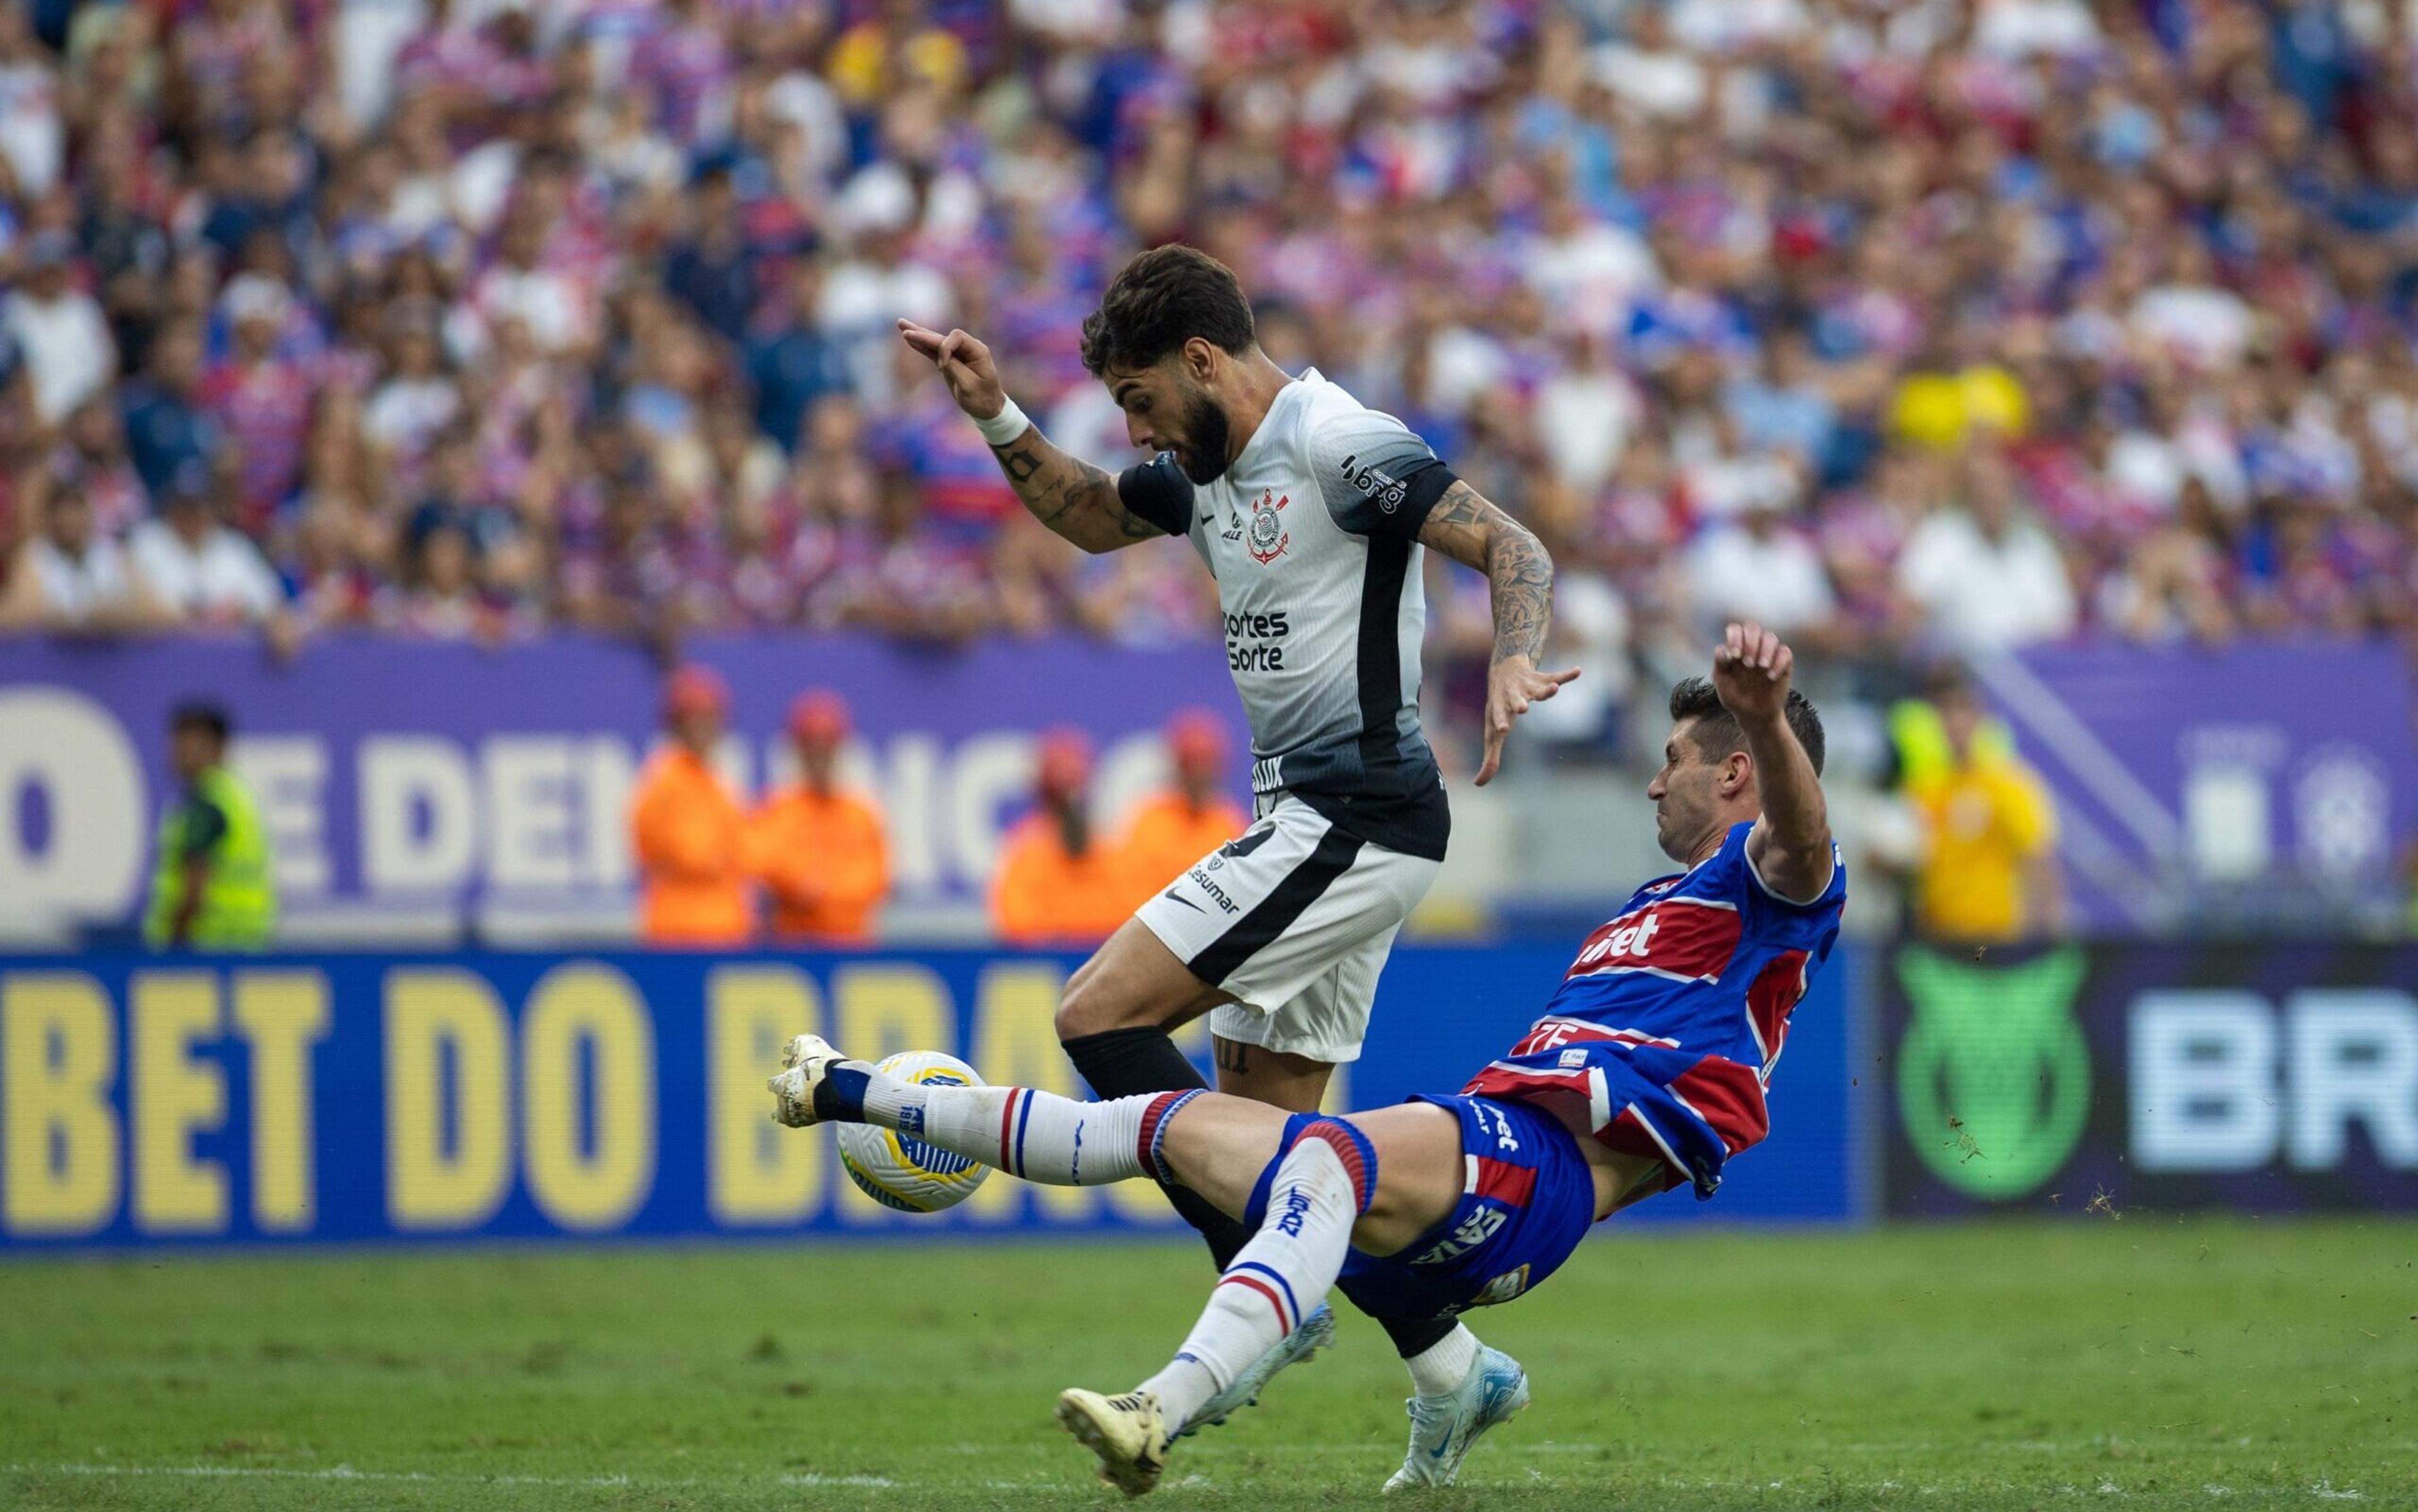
{"x":899,"y":1171}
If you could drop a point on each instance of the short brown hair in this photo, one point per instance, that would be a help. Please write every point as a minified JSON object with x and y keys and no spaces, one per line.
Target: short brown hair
{"x":1717,"y":732}
{"x":1162,"y":300}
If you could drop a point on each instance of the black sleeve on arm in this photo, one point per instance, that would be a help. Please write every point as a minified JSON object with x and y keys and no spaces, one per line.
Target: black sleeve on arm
{"x":1158,"y":491}
{"x":1422,"y":486}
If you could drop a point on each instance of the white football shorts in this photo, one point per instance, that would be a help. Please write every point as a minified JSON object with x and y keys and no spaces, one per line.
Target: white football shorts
{"x":1293,"y":919}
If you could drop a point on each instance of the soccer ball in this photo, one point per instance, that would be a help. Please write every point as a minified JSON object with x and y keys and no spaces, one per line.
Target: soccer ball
{"x":900,"y":1171}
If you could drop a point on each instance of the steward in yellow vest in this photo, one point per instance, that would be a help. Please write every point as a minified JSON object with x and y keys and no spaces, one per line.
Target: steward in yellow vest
{"x":211,"y":883}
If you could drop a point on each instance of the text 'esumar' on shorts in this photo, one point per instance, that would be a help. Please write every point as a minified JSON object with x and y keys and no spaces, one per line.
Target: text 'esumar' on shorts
{"x":1294,"y":919}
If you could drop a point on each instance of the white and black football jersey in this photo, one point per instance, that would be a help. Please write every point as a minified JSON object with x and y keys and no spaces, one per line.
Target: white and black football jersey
{"x":1312,"y":536}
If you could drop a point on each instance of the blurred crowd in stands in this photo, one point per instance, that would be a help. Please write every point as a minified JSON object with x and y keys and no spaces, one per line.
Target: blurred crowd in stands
{"x":1894,"y":323}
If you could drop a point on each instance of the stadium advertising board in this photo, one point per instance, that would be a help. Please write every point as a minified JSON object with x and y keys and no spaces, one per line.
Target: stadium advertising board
{"x":351,"y":1098}
{"x":2264,"y":1076}
{"x":2199,"y":778}
{"x":402,"y":778}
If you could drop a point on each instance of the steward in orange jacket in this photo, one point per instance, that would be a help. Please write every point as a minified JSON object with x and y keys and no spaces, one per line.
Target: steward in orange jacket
{"x":1057,"y":883}
{"x":686,"y":830}
{"x":1172,"y":832}
{"x":820,"y":851}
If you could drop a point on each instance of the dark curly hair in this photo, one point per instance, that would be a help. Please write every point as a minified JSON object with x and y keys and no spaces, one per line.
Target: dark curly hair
{"x":1717,"y":733}
{"x":1162,"y":300}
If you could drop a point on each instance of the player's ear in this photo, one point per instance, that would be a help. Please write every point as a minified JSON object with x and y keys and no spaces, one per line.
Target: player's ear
{"x":1200,"y":356}
{"x":1738,"y":773}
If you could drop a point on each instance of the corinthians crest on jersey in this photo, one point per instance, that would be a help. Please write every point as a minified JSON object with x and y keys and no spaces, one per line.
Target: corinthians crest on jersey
{"x":1267,"y":535}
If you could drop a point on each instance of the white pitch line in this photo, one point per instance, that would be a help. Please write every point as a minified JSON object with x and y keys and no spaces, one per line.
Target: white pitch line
{"x":347,"y":1473}
{"x":334,"y":1472}
{"x":881,"y":1483}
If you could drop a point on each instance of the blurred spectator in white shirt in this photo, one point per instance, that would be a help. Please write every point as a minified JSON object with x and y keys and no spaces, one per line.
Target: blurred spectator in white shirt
{"x":1759,"y":566}
{"x":2019,"y":29}
{"x":1985,"y":575}
{"x":74,"y":578}
{"x":2191,"y":314}
{"x":1588,"y":272}
{"x":31,"y":135}
{"x":203,"y":571}
{"x":60,"y":329}
{"x":1732,"y":25}
{"x":1649,"y":73}
{"x":1584,"y":415}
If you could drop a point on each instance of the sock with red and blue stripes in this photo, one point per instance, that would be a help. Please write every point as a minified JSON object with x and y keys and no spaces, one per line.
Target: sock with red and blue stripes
{"x":1279,"y":1277}
{"x":1039,"y":1135}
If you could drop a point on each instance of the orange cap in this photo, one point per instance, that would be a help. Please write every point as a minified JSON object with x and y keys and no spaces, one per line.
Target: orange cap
{"x":818,"y":715}
{"x":1195,"y":735}
{"x":1063,"y":764}
{"x":694,"y":688}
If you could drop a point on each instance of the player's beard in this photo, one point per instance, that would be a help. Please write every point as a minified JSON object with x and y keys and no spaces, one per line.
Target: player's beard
{"x":1202,"y":455}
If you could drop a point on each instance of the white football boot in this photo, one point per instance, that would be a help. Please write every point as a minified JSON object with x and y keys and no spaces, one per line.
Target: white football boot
{"x":1317,"y":1332}
{"x":1443,"y":1427}
{"x":805,"y":1060}
{"x":1127,"y":1433}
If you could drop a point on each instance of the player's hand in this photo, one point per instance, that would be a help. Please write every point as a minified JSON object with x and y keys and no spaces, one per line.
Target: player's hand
{"x":1511,"y":685}
{"x":965,"y":366}
{"x":1751,"y":671}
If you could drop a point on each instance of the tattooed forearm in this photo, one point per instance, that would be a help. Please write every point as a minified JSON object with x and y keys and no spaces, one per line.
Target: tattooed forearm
{"x":1469,"y":530}
{"x":1071,"y":497}
{"x":1523,"y":579}
{"x":1019,"y":465}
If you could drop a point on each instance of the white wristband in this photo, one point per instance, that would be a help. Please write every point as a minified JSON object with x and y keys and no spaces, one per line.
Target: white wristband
{"x":1003,"y":427}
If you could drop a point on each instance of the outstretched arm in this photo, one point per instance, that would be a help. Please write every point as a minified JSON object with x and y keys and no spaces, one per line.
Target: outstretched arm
{"x":1474,"y":532}
{"x":1790,"y":845}
{"x":1071,"y":497}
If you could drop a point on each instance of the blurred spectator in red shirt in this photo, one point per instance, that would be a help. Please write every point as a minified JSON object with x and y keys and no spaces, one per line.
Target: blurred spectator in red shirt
{"x":260,"y":399}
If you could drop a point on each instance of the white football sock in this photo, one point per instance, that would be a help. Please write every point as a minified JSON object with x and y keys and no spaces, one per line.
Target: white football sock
{"x":1036,"y":1135}
{"x":1442,"y":1367}
{"x":1278,"y":1279}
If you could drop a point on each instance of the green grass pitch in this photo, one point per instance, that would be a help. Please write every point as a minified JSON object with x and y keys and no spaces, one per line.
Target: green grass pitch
{"x":2137,"y":1362}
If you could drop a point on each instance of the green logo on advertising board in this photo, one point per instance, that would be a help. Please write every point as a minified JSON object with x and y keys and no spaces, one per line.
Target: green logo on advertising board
{"x":1994,"y":1077}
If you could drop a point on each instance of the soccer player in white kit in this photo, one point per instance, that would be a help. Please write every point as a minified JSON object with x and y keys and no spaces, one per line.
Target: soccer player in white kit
{"x":1312,"y":513}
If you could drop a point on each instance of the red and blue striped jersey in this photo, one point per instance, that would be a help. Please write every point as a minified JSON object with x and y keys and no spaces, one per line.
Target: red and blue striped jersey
{"x":1671,"y":1019}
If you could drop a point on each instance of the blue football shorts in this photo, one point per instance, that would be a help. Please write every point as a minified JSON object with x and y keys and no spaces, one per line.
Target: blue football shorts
{"x":1526,"y":1201}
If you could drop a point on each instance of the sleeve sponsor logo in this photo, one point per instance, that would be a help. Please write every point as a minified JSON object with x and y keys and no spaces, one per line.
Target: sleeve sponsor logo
{"x":1375,"y":485}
